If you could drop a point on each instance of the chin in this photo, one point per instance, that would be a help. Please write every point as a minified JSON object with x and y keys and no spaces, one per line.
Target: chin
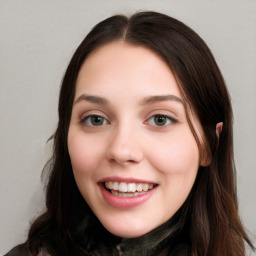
{"x":129,"y":231}
{"x":128,"y":234}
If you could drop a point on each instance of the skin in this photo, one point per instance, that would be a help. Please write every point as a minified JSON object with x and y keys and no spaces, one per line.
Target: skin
{"x":129,"y":143}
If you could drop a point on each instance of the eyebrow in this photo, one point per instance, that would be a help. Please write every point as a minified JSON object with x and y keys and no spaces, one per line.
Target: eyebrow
{"x":145,"y":101}
{"x":92,"y":99}
{"x":159,"y":98}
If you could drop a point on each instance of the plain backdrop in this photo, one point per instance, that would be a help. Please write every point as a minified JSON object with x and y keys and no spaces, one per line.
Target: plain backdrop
{"x":37,"y":40}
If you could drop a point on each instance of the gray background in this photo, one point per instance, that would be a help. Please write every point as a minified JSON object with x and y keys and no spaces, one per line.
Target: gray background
{"x":37,"y":39}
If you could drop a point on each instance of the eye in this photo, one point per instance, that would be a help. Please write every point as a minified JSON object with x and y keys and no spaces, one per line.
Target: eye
{"x":161,"y":120}
{"x":94,"y":120}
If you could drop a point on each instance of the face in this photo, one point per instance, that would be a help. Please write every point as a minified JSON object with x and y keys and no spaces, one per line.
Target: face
{"x":133,"y":154}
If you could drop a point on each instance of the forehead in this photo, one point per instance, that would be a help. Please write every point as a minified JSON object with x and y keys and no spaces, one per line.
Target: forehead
{"x":124,"y":66}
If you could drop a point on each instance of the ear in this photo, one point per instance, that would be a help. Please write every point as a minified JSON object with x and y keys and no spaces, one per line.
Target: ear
{"x":219,"y":129}
{"x":206,"y":156}
{"x":218,"y":132}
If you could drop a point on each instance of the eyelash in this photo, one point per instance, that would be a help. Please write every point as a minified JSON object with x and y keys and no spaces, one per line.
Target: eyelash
{"x":167,"y":119}
{"x":89,"y":117}
{"x":88,"y":120}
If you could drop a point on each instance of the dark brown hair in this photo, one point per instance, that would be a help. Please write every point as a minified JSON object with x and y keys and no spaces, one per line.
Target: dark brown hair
{"x":211,"y":209}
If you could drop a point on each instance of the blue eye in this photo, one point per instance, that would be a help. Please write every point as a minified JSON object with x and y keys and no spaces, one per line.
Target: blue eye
{"x":161,"y":120}
{"x":94,"y":120}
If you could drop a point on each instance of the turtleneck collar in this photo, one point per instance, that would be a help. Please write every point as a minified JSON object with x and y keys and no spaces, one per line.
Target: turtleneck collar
{"x":101,"y":242}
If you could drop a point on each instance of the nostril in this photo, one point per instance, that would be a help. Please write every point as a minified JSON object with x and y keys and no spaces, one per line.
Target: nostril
{"x":131,"y":161}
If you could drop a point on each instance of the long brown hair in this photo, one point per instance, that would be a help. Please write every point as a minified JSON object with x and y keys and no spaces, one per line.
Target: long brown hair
{"x":211,"y":208}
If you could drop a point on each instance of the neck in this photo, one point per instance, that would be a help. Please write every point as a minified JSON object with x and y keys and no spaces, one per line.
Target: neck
{"x":156,"y":242}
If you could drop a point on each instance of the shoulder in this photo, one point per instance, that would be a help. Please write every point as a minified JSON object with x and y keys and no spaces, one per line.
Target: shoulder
{"x":19,"y":250}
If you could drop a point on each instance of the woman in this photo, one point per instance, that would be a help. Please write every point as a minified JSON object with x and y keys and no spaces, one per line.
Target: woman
{"x":143,"y":152}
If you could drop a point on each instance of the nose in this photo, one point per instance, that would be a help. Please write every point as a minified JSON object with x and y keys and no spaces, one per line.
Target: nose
{"x":124,"y":147}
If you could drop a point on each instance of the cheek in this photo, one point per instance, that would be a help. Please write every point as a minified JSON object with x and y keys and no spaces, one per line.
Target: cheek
{"x":84,"y":155}
{"x":179,"y":155}
{"x":177,"y":162}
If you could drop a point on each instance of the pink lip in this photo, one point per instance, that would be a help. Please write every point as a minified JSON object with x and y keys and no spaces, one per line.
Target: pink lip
{"x":125,"y":202}
{"x":125,"y":179}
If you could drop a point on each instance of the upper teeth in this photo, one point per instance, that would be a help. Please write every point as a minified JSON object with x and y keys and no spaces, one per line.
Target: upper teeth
{"x":128,"y":187}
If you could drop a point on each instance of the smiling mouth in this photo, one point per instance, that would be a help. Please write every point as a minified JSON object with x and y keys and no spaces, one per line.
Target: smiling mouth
{"x":123,"y":189}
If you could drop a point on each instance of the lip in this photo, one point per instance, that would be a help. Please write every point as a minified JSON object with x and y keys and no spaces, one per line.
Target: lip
{"x":125,"y":202}
{"x":125,"y":179}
